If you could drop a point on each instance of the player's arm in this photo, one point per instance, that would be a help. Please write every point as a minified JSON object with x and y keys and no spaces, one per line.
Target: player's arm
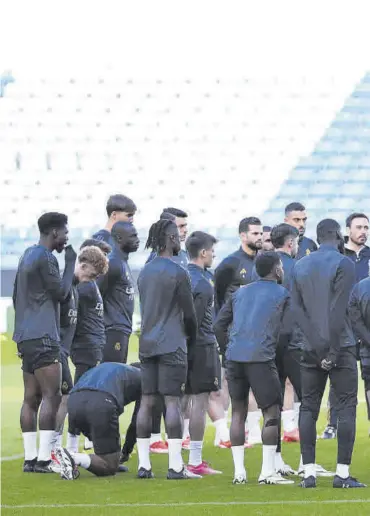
{"x":224,"y":276}
{"x":201,"y":300}
{"x":57,"y":287}
{"x":359,"y":313}
{"x":185,"y":299}
{"x":344,"y":282}
{"x":106,"y":280}
{"x":222,"y":323}
{"x":14,"y":296}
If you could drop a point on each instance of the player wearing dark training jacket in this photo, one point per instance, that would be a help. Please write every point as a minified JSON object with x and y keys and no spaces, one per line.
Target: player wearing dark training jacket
{"x":321,"y":288}
{"x":119,"y":209}
{"x":94,"y":406}
{"x":117,"y":290}
{"x":296,"y":216}
{"x":38,"y":290}
{"x":168,"y":328}
{"x":256,"y":314}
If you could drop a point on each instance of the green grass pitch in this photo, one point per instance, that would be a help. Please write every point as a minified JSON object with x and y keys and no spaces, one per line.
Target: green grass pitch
{"x":49,"y":495}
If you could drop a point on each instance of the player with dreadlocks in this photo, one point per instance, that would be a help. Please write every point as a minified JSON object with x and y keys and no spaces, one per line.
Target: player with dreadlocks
{"x":168,"y":327}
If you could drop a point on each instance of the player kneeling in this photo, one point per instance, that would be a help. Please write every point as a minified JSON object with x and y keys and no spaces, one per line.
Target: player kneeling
{"x":255,"y":313}
{"x":94,"y":406}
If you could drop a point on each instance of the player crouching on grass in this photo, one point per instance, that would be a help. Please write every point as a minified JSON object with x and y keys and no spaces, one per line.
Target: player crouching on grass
{"x":94,"y":406}
{"x":255,"y":314}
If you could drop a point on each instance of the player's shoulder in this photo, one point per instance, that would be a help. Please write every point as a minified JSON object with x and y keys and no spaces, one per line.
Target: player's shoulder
{"x":87,"y":288}
{"x":229,"y":261}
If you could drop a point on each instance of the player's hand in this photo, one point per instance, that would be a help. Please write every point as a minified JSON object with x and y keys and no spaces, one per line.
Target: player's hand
{"x":327,"y":364}
{"x":70,"y":254}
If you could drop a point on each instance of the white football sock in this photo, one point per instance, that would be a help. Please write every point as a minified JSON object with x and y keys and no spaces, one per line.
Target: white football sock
{"x":297,"y":407}
{"x":300,"y":467}
{"x":222,"y":432}
{"x":288,"y":418}
{"x":175,"y":461}
{"x":88,"y":444}
{"x":143,"y":446}
{"x":185,"y":433}
{"x":30,"y":445}
{"x":238,"y":458}
{"x":57,"y":440}
{"x":46,"y":438}
{"x":155,"y":438}
{"x":268,"y":460}
{"x":342,"y":470}
{"x":309,"y":470}
{"x":72,"y":443}
{"x":82,"y":459}
{"x":279,"y":463}
{"x":195,"y":455}
{"x":226,"y":414}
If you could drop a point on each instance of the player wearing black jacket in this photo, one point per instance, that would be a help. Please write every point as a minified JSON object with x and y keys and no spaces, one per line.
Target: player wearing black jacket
{"x":38,"y":290}
{"x":168,"y":328}
{"x":321,"y":287}
{"x":295,"y":215}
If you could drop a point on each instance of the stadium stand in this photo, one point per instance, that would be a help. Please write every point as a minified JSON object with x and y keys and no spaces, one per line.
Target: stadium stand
{"x":221,"y":150}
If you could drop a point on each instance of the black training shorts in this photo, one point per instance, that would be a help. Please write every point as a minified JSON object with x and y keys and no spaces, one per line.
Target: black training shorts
{"x":164,"y":374}
{"x":96,"y":415}
{"x":37,"y":353}
{"x":204,"y":370}
{"x":261,"y":377}
{"x":116,"y":347}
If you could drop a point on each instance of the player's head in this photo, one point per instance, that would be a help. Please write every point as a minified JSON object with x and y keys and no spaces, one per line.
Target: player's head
{"x":53,"y":227}
{"x":103,"y":246}
{"x":295,"y":215}
{"x":91,"y":263}
{"x":251,"y":231}
{"x":357,"y":225}
{"x":167,"y":216}
{"x":181,"y":221}
{"x":125,"y":236}
{"x":284,"y":236}
{"x":266,"y":239}
{"x":201,"y":248}
{"x":328,"y":232}
{"x":269,"y":266}
{"x":120,"y":209}
{"x":164,"y":237}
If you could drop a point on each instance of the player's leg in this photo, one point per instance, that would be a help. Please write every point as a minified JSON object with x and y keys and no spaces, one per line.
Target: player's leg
{"x":149,"y":389}
{"x":49,"y":379}
{"x":203,"y":378}
{"x":313,"y":382}
{"x":171,"y":384}
{"x":365,"y":375}
{"x":67,"y":385}
{"x":185,"y":410}
{"x":330,"y":431}
{"x":344,"y":380}
{"x":28,"y":420}
{"x":157,"y":445}
{"x":252,"y":424}
{"x":239,"y":394}
{"x":265,"y":383}
{"x":98,"y":417}
{"x":217,"y":415}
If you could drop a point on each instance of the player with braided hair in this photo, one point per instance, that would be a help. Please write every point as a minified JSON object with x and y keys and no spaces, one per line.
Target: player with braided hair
{"x":168,"y":327}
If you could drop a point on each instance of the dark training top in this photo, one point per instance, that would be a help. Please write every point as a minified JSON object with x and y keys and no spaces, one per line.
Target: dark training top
{"x":321,"y":287}
{"x":359,"y":313}
{"x":68,"y":319}
{"x":234,"y":271}
{"x":361,"y":261}
{"x":182,"y":258}
{"x":38,"y":290}
{"x":167,"y":310}
{"x":256,"y":313}
{"x":117,"y":289}
{"x":90,"y":331}
{"x":203,"y":295}
{"x":105,"y":236}
{"x":306,"y":246}
{"x":121,"y":381}
{"x":288,"y":264}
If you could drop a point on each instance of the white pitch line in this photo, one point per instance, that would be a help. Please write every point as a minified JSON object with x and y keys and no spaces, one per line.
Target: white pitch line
{"x":182,"y":504}
{"x":11,"y":457}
